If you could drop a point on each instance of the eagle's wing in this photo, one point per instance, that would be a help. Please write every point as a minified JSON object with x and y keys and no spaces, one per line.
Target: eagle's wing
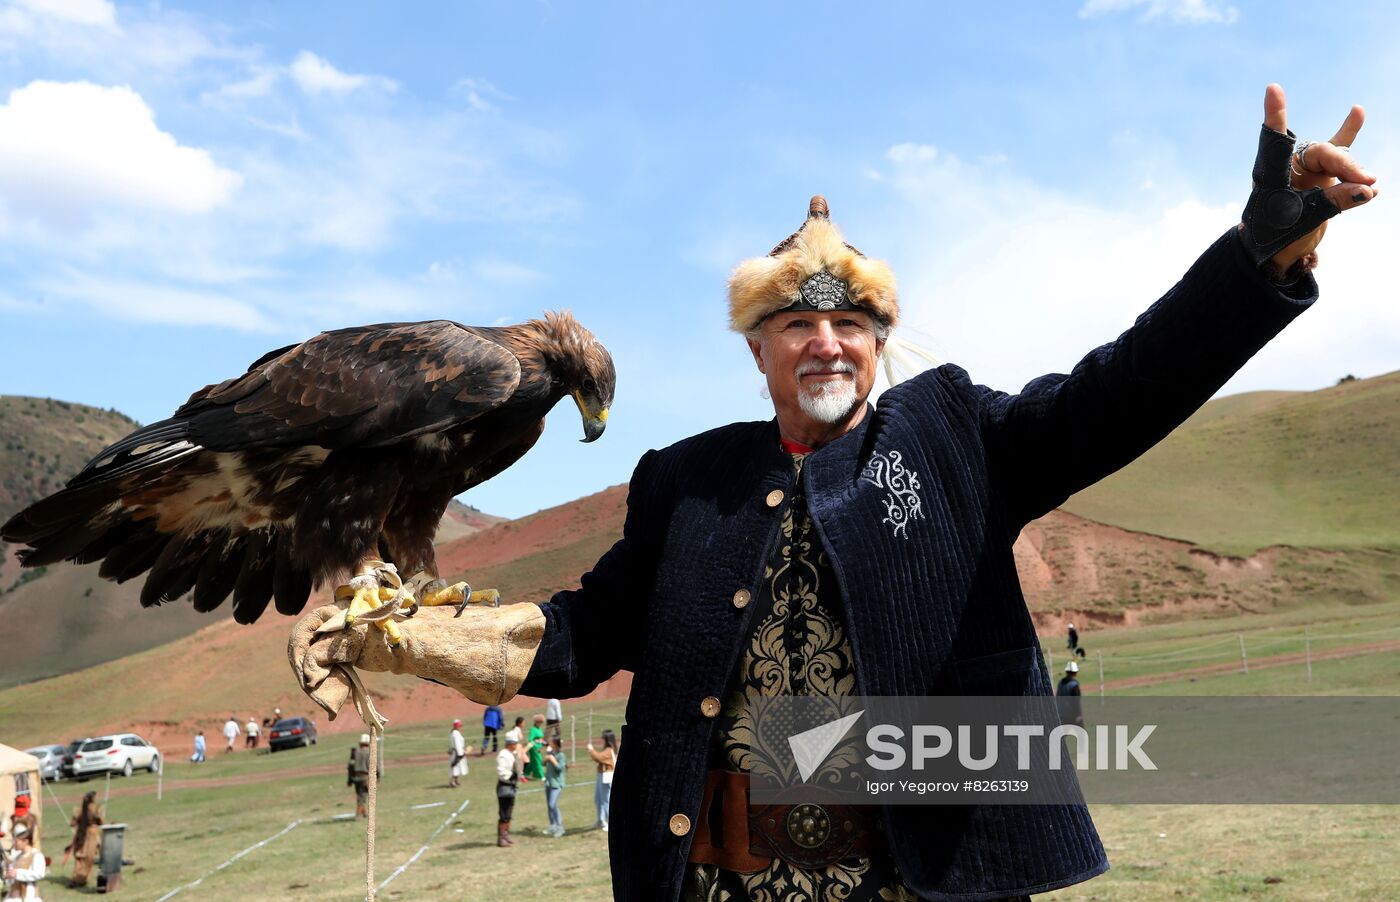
{"x":366,"y":386}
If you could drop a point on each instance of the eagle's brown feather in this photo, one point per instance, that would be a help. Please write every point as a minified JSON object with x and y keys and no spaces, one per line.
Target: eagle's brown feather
{"x":347,"y":445}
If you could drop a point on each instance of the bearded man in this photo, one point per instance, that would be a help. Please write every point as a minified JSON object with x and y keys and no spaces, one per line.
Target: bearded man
{"x":841,"y":549}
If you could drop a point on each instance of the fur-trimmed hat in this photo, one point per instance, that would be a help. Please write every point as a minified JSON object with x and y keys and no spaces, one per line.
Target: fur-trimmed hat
{"x":814,"y":267}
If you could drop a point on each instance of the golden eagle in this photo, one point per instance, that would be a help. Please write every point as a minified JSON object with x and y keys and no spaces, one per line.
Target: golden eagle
{"x":323,"y":455}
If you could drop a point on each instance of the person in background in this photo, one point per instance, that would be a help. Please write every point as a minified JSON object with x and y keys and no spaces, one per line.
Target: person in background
{"x":359,"y":775}
{"x":87,"y":839}
{"x":553,"y":716}
{"x":252,"y":740}
{"x":1073,"y":638}
{"x":1067,"y":695}
{"x":491,"y":722}
{"x":517,"y":733}
{"x":457,"y":749}
{"x":602,"y":790}
{"x":231,"y":731}
{"x":198,"y":756}
{"x":554,"y":764}
{"x":534,"y":750}
{"x":25,"y":866}
{"x":507,"y":777}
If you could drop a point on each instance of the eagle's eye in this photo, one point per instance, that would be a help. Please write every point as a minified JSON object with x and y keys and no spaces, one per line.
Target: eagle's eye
{"x":589,"y":385}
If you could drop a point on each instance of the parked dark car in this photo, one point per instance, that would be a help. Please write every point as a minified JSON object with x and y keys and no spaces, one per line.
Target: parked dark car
{"x":67,"y":766}
{"x":292,"y":732}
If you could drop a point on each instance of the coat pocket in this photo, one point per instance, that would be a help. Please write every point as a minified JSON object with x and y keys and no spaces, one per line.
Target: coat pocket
{"x":1002,"y":673}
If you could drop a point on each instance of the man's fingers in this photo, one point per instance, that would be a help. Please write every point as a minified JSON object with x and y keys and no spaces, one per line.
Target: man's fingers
{"x":1328,"y":159}
{"x":1275,"y":116}
{"x":1350,"y":126}
{"x":1350,"y":194}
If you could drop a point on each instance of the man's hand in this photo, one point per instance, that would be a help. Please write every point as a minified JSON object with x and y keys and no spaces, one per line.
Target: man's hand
{"x":1326,"y":165}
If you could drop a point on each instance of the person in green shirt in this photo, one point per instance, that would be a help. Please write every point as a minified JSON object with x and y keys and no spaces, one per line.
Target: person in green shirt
{"x":554,"y":764}
{"x":534,"y":764}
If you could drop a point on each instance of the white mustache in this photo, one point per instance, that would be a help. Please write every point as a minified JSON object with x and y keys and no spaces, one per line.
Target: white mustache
{"x":840,"y":366}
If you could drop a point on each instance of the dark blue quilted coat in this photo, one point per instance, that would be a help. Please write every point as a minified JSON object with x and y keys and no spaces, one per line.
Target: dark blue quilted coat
{"x":917,"y":508}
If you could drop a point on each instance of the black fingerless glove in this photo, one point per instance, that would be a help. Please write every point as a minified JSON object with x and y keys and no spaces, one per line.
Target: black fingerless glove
{"x":1276,"y":215}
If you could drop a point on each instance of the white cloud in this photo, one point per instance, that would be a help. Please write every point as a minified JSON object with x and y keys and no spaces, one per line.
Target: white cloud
{"x":316,"y":76}
{"x":1015,"y":279}
{"x":153,"y":302}
{"x":476,"y":90}
{"x":504,"y":272}
{"x":1178,"y":12}
{"x":92,"y":13}
{"x":260,"y":84}
{"x":67,"y":148}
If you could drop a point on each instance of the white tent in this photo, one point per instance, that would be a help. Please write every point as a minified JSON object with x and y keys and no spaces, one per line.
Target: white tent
{"x":19,"y":776}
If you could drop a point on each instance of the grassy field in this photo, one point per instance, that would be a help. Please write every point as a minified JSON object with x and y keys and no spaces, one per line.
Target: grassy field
{"x":212,"y":812}
{"x":1307,"y":469}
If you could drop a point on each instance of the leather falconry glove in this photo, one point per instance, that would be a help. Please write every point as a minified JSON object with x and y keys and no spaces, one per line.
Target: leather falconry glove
{"x":1276,"y":215}
{"x":484,"y":654}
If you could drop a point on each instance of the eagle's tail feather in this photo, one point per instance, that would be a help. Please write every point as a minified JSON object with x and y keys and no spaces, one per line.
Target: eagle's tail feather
{"x":175,"y":571}
{"x":292,"y":582}
{"x":253,"y":588}
{"x":219,"y":570}
{"x":136,"y":555}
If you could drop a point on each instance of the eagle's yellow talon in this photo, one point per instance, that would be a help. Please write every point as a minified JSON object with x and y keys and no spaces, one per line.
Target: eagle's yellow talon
{"x":434,"y":595}
{"x":486,"y":596}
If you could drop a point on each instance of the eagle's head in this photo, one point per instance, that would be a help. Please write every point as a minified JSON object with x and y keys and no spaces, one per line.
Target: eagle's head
{"x":582,"y":369}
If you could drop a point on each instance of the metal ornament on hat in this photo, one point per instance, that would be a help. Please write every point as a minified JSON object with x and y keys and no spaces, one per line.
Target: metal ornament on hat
{"x":823,"y":291}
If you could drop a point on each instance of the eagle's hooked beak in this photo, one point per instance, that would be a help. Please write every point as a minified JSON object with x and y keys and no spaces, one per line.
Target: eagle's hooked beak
{"x":593,"y":423}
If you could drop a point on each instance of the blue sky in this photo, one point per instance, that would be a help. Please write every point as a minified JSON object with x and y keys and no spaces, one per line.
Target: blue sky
{"x":185,"y":186}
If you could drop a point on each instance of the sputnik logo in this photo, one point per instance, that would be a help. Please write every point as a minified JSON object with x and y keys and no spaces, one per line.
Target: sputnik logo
{"x":810,"y":747}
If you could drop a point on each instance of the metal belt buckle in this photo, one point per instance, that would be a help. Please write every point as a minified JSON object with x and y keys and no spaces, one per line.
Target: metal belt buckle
{"x":808,"y":825}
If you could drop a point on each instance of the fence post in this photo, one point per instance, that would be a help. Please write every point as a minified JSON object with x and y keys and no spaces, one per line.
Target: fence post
{"x":1244,"y":658}
{"x":1307,"y":651}
{"x":1050,"y":654}
{"x":1100,"y":678}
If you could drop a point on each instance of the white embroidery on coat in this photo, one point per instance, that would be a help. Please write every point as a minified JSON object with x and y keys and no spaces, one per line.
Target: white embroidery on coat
{"x":902,"y":503}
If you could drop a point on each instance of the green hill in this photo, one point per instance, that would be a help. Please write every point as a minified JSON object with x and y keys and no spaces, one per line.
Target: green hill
{"x":1310,"y":469}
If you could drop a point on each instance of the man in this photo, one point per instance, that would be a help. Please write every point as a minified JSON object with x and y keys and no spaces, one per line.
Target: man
{"x":198,"y":756}
{"x":507,"y":777}
{"x":231,"y":732}
{"x":491,"y":722}
{"x":457,"y":751}
{"x":1071,"y":708}
{"x":841,"y":550}
{"x":1073,"y":639}
{"x":359,"y":775}
{"x":25,"y":866}
{"x":553,"y":717}
{"x":252,"y":728}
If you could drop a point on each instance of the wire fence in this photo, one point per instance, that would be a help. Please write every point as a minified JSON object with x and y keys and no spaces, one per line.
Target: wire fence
{"x":1209,"y":653}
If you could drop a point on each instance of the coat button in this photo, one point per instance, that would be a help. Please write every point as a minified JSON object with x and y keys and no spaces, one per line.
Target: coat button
{"x":680,"y":824}
{"x":742,"y":598}
{"x":775,"y":498}
{"x":709,"y":706}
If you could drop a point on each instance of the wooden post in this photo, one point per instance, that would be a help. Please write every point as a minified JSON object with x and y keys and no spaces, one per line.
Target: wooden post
{"x":1307,"y":651}
{"x":1244,"y":658}
{"x":160,"y":778}
{"x":1050,"y":655}
{"x":107,"y":794}
{"x":590,"y":725}
{"x":573,"y":737}
{"x":1100,"y":678}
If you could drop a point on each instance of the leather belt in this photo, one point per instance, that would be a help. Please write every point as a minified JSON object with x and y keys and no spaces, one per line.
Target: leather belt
{"x":738,"y":836}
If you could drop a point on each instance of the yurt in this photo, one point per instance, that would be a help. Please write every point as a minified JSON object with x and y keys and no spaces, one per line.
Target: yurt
{"x":20,"y":789}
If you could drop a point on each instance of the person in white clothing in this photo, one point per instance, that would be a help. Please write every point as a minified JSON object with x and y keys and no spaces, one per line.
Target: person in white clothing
{"x":508,"y":762}
{"x":253,"y":731}
{"x":553,"y":716}
{"x":231,"y":732}
{"x":24,"y":867}
{"x":458,"y":753}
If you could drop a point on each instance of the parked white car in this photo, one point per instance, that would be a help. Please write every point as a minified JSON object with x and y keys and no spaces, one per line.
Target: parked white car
{"x":119,"y":753}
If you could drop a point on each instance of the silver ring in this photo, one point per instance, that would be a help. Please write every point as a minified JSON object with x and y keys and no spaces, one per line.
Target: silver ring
{"x":1302,"y":154}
